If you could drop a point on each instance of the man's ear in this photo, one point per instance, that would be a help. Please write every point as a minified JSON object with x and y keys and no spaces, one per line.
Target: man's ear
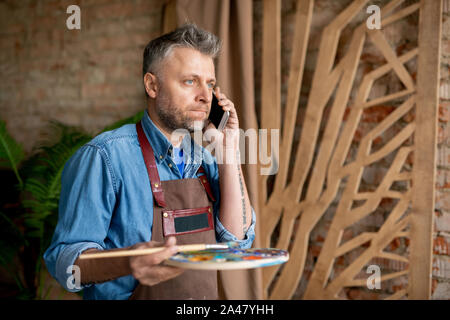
{"x":151,"y":85}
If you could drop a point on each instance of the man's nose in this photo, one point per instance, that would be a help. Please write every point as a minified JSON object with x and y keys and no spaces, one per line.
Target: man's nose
{"x":204,"y":94}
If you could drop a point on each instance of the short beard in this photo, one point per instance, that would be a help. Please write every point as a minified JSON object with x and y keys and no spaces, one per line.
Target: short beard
{"x":173,"y":119}
{"x":169,"y":120}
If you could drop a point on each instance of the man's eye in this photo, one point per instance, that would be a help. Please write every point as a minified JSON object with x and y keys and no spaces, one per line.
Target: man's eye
{"x":211,"y":85}
{"x":189,"y":82}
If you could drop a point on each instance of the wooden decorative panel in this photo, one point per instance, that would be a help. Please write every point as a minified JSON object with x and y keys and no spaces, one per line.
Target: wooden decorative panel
{"x":323,"y":176}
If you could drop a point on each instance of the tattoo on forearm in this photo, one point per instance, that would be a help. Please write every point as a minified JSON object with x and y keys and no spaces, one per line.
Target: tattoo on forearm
{"x":244,"y":213}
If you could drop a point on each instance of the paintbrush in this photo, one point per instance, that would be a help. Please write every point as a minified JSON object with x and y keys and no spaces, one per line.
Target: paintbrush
{"x":139,"y":252}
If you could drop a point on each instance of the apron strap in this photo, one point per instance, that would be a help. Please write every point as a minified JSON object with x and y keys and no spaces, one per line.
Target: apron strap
{"x":149,"y":158}
{"x":205,"y":183}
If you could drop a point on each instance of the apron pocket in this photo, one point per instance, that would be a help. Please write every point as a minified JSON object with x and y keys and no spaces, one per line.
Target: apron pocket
{"x":185,"y":221}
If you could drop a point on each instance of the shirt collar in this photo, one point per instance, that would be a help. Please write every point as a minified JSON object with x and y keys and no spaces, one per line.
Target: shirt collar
{"x":162,"y":147}
{"x":160,"y":144}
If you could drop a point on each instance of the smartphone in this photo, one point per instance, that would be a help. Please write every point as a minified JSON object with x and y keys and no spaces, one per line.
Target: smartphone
{"x":217,"y":116}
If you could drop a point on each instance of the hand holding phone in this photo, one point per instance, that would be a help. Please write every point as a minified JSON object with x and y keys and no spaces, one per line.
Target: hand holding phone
{"x":217,"y":116}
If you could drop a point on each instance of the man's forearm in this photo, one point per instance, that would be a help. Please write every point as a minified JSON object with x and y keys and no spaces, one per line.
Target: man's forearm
{"x":235,"y":209}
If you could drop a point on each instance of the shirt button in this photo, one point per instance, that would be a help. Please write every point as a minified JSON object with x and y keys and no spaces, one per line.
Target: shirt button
{"x":160,"y":156}
{"x":170,"y":165}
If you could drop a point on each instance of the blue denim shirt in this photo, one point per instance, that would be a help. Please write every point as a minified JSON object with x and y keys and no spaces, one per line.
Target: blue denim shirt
{"x":106,"y":201}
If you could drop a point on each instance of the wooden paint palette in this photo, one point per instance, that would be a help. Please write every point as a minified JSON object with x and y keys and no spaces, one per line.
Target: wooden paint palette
{"x":228,"y":259}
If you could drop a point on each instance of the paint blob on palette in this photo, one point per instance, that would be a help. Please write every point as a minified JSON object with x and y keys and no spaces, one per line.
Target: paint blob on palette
{"x":228,"y":259}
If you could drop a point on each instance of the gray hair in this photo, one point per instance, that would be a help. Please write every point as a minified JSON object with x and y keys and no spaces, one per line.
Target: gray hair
{"x":186,"y":36}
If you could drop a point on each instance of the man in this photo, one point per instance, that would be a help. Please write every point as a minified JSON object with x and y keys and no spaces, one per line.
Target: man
{"x":125,"y":190}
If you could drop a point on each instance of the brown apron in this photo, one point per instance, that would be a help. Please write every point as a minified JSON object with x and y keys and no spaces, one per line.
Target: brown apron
{"x":182,"y":208}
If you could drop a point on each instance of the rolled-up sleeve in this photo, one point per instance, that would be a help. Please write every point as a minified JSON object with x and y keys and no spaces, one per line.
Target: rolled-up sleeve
{"x":85,"y":208}
{"x":223,"y":235}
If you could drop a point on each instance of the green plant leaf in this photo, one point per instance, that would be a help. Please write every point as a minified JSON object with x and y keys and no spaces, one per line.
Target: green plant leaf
{"x":11,"y":152}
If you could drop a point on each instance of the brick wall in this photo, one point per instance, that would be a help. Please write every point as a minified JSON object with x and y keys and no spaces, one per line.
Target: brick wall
{"x":402,"y":36}
{"x":89,"y":77}
{"x":92,"y":77}
{"x":441,"y":244}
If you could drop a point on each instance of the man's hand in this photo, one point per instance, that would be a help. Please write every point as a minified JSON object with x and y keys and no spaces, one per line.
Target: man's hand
{"x":227,"y":141}
{"x":227,"y":105}
{"x":148,"y":269}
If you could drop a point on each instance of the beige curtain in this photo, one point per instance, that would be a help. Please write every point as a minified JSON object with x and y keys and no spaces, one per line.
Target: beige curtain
{"x":232,"y":22}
